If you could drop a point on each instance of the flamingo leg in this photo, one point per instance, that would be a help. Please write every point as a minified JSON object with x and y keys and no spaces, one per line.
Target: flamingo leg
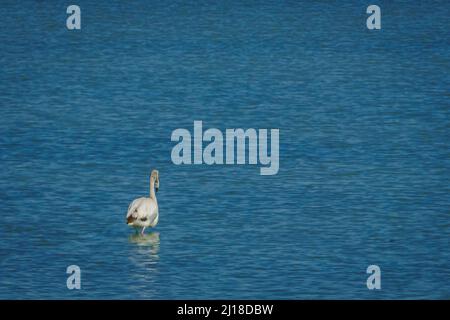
{"x":142,"y":232}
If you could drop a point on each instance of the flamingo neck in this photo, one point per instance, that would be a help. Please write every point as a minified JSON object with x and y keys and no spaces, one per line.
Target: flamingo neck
{"x":152,"y":189}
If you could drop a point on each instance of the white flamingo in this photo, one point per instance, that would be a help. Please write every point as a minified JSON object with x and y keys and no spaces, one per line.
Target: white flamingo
{"x":143,"y":212}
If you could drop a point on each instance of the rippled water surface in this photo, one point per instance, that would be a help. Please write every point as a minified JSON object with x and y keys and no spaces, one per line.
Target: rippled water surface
{"x":364,"y":119}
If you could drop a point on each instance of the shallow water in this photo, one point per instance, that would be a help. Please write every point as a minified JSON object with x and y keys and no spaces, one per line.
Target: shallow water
{"x":364,"y":122}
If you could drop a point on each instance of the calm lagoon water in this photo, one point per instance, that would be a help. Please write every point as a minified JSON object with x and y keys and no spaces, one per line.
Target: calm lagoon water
{"x":364,"y":119}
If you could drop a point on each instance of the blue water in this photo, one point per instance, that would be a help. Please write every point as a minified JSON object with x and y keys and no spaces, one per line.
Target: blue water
{"x":364,"y":119}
